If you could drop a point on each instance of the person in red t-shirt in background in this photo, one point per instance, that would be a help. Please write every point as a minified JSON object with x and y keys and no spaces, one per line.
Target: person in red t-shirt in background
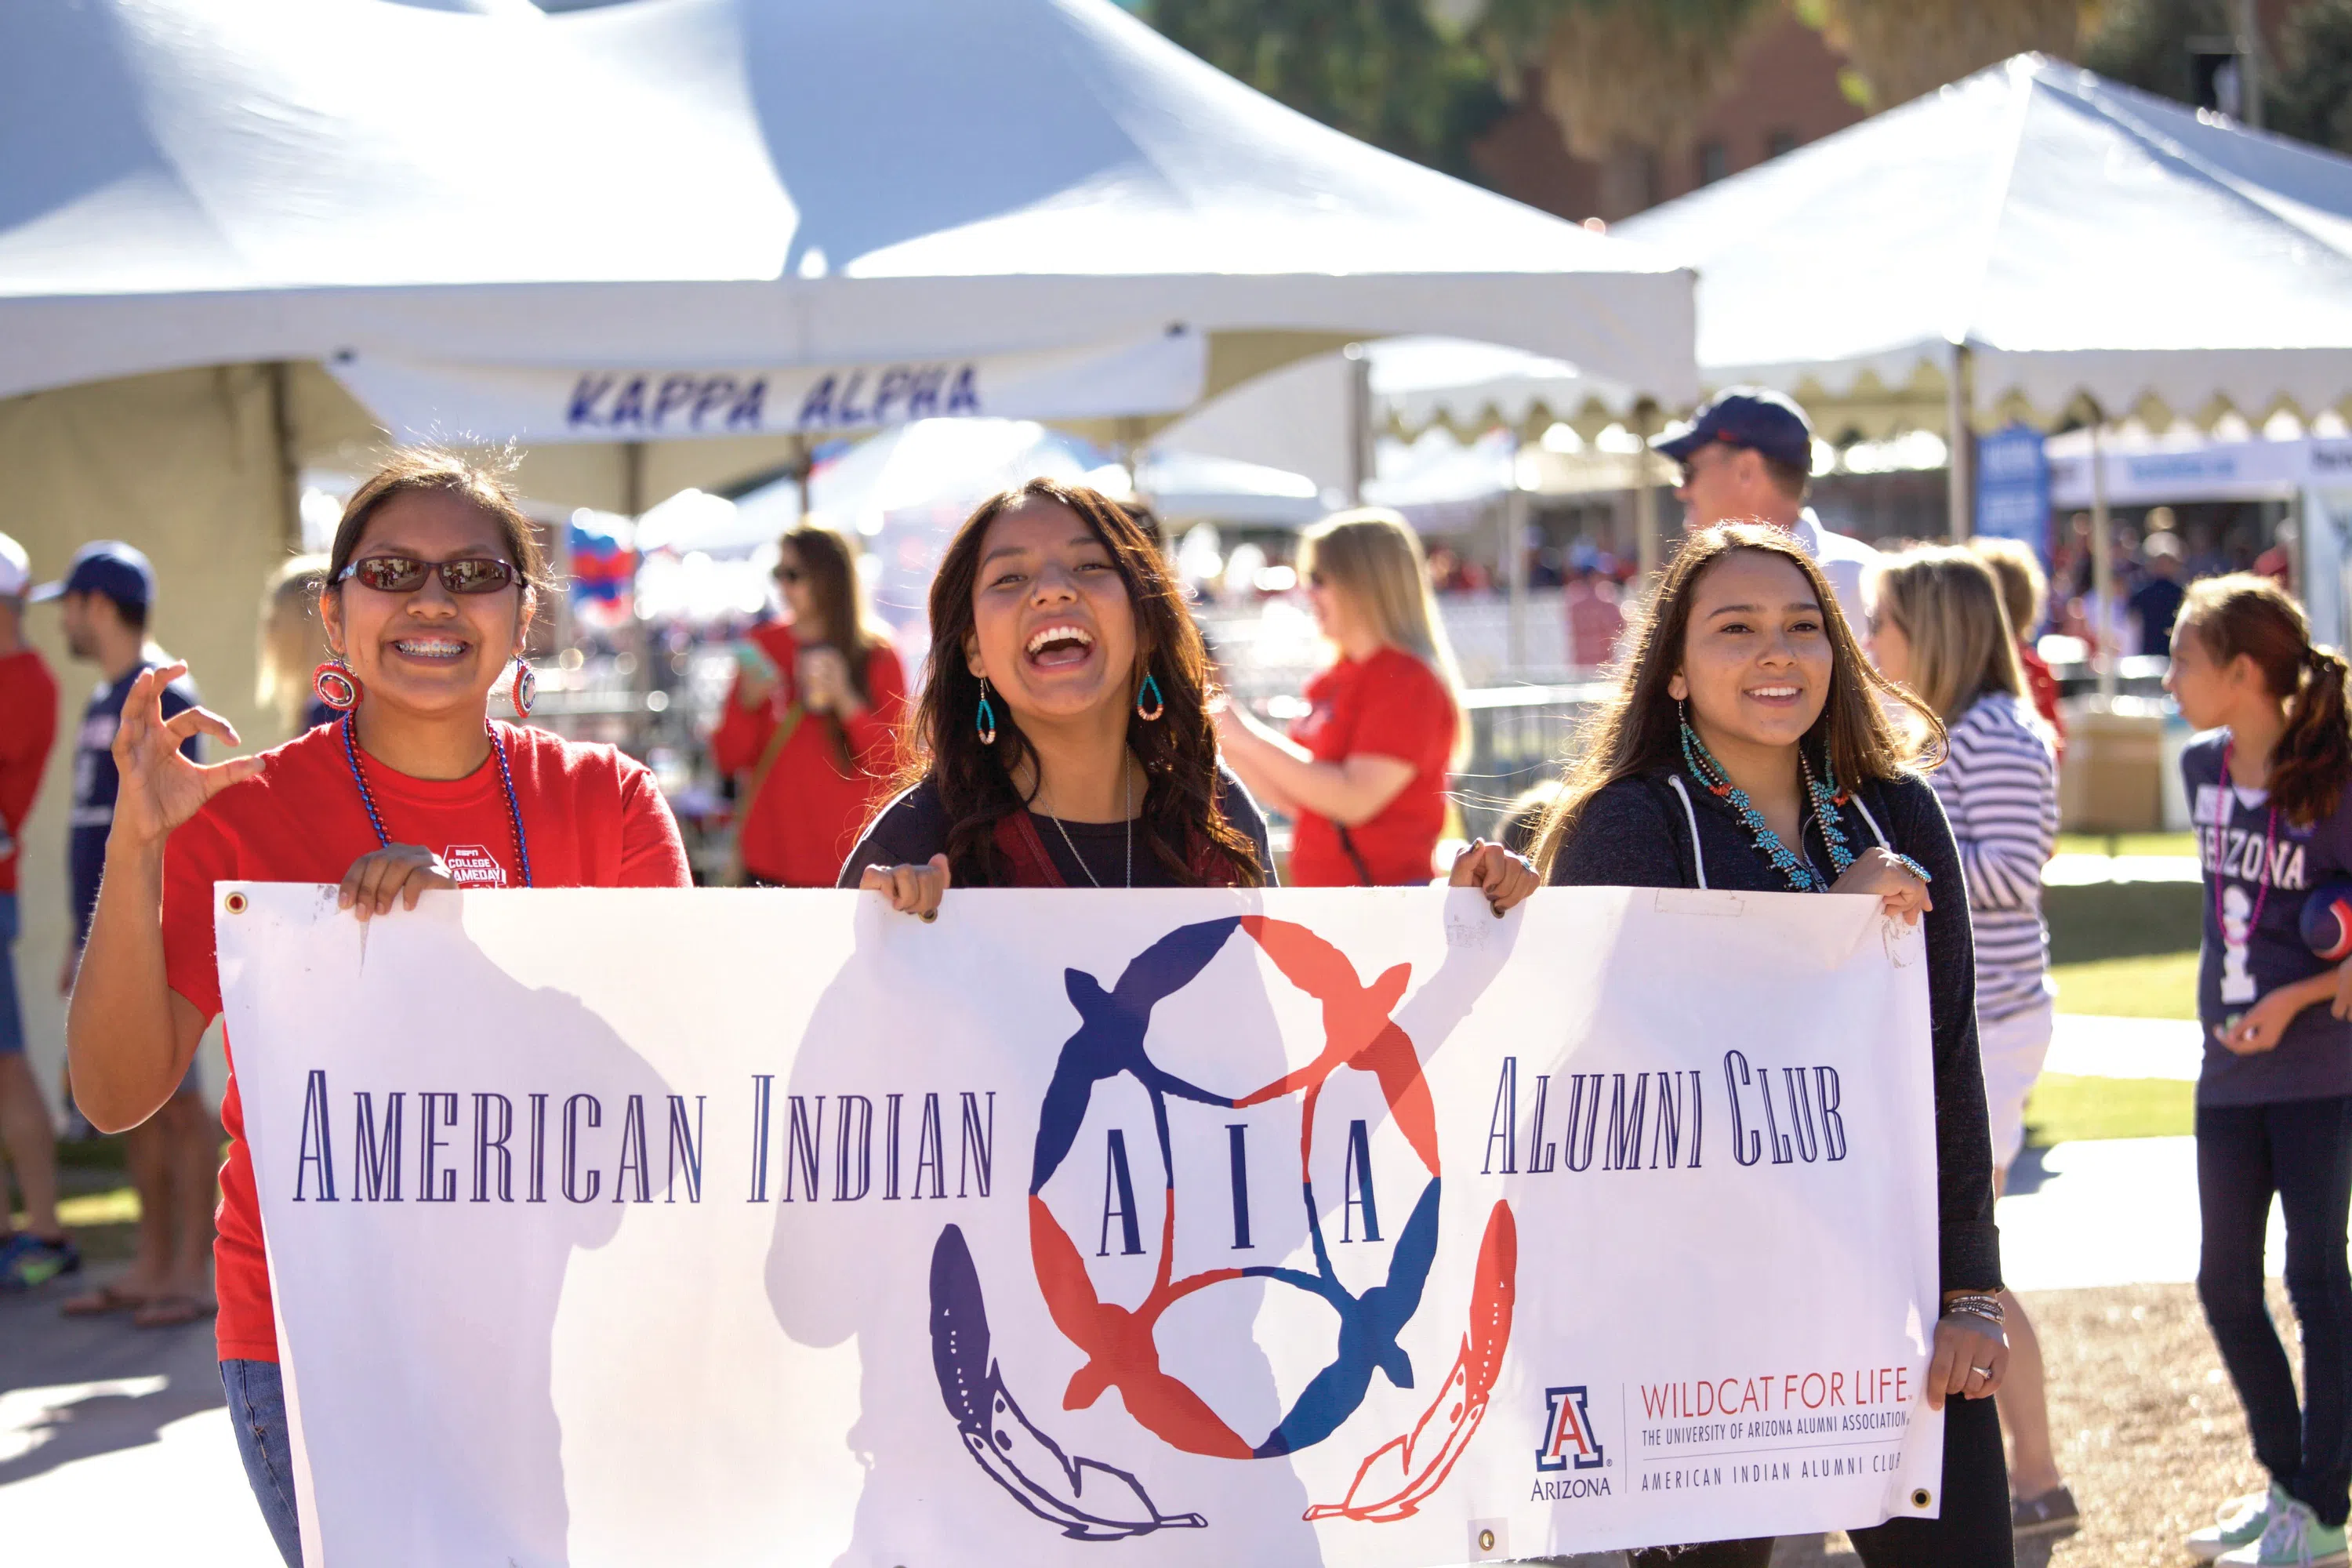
{"x":1363,"y":775}
{"x":811,"y":728}
{"x":28,"y":728}
{"x":432,"y":584}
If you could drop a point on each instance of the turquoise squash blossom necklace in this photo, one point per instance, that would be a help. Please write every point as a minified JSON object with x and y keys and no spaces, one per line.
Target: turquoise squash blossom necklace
{"x":1824,"y":793}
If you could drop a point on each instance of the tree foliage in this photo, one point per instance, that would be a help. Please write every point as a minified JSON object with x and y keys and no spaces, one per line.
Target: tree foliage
{"x":1380,"y":71}
{"x":2311,"y":95}
{"x":1902,"y":49}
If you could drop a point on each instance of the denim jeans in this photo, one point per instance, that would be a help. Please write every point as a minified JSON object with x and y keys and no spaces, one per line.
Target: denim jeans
{"x":2302,"y":1151}
{"x":256,"y":1410}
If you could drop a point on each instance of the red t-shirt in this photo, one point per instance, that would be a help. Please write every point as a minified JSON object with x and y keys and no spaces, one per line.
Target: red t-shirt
{"x":28,"y":728}
{"x":591,"y":816}
{"x":1391,"y":705}
{"x":826,"y":785}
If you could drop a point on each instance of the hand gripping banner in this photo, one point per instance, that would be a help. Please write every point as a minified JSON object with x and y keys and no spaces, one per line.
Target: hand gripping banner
{"x":1319,"y":1226}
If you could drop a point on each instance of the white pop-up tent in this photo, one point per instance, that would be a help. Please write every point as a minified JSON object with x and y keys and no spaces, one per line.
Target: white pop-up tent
{"x":683,"y":217}
{"x":2033,"y":243}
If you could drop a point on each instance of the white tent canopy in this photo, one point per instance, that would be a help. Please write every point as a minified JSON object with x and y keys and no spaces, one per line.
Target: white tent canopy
{"x":2075,"y":237}
{"x":435,"y":200}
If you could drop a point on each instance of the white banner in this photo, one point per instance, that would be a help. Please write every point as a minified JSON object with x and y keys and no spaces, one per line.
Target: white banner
{"x":1350,"y":1227}
{"x":420,"y":400}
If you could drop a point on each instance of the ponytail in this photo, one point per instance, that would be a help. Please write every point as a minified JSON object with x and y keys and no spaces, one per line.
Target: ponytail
{"x":2314,"y":760}
{"x":2243,"y":613}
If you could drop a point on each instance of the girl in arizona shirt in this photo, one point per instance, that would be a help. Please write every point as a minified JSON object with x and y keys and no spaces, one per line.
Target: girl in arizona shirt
{"x":433,"y":581}
{"x":2267,"y":794}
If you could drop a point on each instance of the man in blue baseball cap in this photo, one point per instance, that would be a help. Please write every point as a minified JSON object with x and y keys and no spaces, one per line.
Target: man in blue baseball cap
{"x":104,"y":599}
{"x":1749,"y":456}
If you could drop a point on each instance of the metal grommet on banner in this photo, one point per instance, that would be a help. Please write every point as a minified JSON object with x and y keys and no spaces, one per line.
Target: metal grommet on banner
{"x":234,"y":903}
{"x":1486,"y":1541}
{"x":1922,"y":1498}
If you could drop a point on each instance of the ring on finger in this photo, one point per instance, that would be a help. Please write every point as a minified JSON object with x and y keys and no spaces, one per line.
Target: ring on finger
{"x":1981,"y":1371}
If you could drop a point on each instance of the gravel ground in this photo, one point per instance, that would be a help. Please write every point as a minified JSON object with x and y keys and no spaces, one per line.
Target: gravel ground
{"x":2149,"y":1433}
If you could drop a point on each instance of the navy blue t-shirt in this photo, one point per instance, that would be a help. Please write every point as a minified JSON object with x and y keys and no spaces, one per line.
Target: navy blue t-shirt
{"x":2264,"y":869}
{"x":95,"y":783}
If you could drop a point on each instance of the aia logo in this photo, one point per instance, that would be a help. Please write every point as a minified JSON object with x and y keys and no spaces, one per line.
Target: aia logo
{"x":1569,"y":1437}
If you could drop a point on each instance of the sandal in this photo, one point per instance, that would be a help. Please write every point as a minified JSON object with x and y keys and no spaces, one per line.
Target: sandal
{"x":171,"y":1312}
{"x":98,"y":1303}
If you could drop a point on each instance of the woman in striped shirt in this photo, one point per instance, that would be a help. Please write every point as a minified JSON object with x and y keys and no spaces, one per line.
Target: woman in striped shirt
{"x":1937,"y":624}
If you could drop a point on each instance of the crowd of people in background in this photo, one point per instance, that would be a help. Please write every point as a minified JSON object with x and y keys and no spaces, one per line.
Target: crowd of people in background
{"x":1786,"y":710}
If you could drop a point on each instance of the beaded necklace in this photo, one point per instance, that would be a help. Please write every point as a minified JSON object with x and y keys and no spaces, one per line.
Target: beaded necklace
{"x":506,"y":779}
{"x":1825,"y":797}
{"x":2222,"y":815}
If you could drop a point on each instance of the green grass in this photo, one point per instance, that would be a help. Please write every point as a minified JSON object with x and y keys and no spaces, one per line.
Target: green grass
{"x":2065,"y":1108}
{"x":2145,"y":986}
{"x":2127,"y":844}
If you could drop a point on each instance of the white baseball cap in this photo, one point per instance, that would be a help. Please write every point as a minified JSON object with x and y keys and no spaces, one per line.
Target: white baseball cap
{"x":16,"y":569}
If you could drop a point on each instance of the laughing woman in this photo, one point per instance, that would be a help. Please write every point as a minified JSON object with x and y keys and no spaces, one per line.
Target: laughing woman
{"x":1064,"y":737}
{"x":430,"y":590}
{"x":1745,"y":748}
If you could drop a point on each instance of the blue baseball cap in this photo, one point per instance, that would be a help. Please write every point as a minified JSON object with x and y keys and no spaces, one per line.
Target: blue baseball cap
{"x":1752,"y":417}
{"x":105,"y":566}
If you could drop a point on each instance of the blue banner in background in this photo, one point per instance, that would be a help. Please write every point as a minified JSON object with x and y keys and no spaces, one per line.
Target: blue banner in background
{"x":2013,"y":488}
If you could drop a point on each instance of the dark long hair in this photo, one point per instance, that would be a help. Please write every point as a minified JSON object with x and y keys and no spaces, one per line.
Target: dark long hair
{"x":1179,"y":751}
{"x":1636,"y":731}
{"x":830,"y":567}
{"x":2243,"y":613}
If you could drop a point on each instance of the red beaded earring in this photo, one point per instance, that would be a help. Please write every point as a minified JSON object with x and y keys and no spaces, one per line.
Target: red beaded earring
{"x":526,"y":688}
{"x":336,"y":687}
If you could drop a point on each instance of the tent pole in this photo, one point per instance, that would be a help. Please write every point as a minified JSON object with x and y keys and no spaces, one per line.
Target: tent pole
{"x":2250,"y":62}
{"x":1959,"y":387}
{"x":2103,"y":564}
{"x":289,"y":467}
{"x":1645,"y":497}
{"x":1514,"y":564}
{"x":1360,"y":450}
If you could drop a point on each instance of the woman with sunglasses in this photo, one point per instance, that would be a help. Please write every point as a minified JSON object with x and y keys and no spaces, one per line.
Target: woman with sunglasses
{"x":1747,"y":746}
{"x":810,"y":731}
{"x":1063,"y":737}
{"x":431,"y":587}
{"x":1364,"y":773}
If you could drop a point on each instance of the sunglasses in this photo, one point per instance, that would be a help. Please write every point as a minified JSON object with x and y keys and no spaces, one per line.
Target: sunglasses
{"x":406,"y":573}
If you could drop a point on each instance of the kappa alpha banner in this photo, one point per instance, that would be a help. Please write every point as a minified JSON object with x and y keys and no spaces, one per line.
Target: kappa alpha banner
{"x":1352,"y":1228}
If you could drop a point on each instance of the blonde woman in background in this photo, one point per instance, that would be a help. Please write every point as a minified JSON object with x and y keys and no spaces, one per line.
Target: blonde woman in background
{"x":2025,"y":594}
{"x":293,"y":644}
{"x":1363,"y":775}
{"x":1939,"y":625}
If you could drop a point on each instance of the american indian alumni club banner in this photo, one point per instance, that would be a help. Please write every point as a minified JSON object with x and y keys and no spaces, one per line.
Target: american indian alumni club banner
{"x":1354,"y":1227}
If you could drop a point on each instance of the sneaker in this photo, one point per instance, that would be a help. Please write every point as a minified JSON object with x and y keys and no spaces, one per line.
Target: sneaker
{"x":26,"y":1260}
{"x":2048,"y":1514}
{"x":2238,"y":1522}
{"x":2293,"y":1539}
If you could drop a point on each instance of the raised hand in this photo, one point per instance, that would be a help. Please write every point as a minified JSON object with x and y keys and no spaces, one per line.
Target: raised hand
{"x":160,"y":788}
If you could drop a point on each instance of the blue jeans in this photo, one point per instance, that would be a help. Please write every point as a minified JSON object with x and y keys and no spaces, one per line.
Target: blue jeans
{"x":2302,"y":1152}
{"x":257,"y":1411}
{"x":12,"y":1016}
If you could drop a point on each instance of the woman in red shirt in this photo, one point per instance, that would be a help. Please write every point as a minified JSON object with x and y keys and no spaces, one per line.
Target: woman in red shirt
{"x":432,"y":584}
{"x":1363,"y":775}
{"x":813,"y":733}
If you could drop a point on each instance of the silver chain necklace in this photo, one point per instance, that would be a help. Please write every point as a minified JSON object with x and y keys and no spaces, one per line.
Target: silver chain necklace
{"x":1127,"y":810}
